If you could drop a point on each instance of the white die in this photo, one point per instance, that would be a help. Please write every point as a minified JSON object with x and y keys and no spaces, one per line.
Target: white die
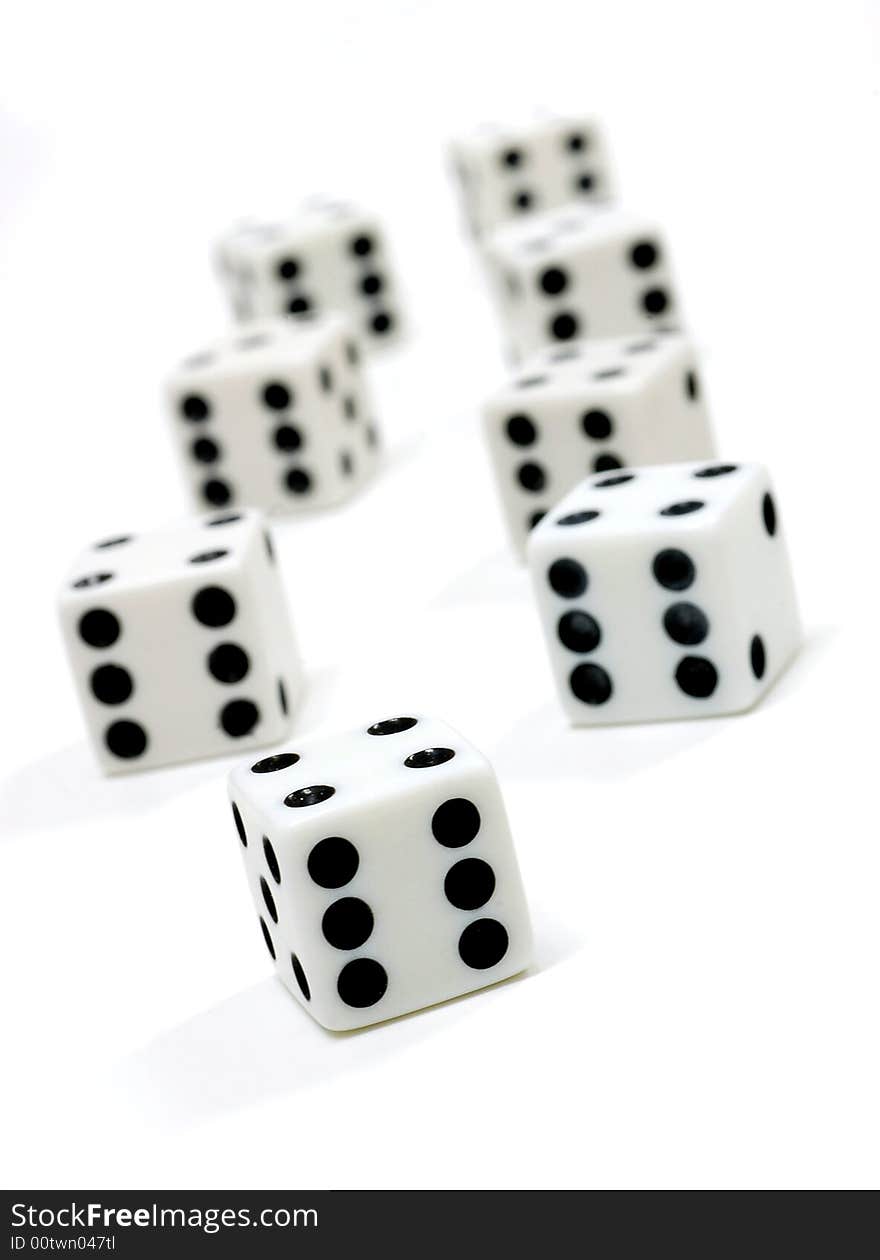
{"x":383,"y":870}
{"x":581,"y":271}
{"x":665,"y":592}
{"x":509,"y":170}
{"x":180,"y":642}
{"x":277,"y":416}
{"x":327,"y":256}
{"x":591,"y":407}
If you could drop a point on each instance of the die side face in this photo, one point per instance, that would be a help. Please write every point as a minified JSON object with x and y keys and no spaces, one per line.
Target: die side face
{"x":592,"y":407}
{"x":665,"y":592}
{"x":509,"y":172}
{"x":382,"y":870}
{"x":234,"y":269}
{"x":577,"y":273}
{"x":265,"y":276}
{"x":278,"y":416}
{"x":329,"y":257}
{"x":228,"y":674}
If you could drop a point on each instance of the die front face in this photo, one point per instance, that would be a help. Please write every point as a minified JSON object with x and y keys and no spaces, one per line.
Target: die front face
{"x":278,"y":416}
{"x":506,"y":172}
{"x":180,"y":643}
{"x":581,"y":272}
{"x":665,"y":592}
{"x":382,"y":870}
{"x":592,"y":407}
{"x":329,"y":257}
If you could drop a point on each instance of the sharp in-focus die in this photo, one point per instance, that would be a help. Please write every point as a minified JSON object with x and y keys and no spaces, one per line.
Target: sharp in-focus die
{"x":590,"y":407}
{"x":506,"y":171}
{"x":665,"y":592}
{"x":327,"y":256}
{"x":277,"y":416}
{"x":383,"y":870}
{"x":180,"y":642}
{"x":581,"y":271}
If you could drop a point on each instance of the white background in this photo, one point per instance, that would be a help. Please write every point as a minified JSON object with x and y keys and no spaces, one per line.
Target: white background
{"x":704,"y":1007}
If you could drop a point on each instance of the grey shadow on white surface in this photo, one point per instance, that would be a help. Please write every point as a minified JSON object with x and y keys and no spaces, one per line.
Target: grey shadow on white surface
{"x":260,"y":1044}
{"x":497,"y":578}
{"x":399,"y":453}
{"x":67,"y":786}
{"x":542,"y":744}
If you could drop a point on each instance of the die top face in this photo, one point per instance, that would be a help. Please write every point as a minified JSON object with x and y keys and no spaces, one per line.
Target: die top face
{"x":619,"y":366}
{"x":517,"y":154}
{"x":394,"y":757}
{"x":575,"y":229}
{"x":324,"y":209}
{"x":316,"y":220}
{"x":258,"y":239}
{"x":634,"y":503}
{"x":194,"y":551}
{"x":266,"y":343}
{"x":576,"y":135}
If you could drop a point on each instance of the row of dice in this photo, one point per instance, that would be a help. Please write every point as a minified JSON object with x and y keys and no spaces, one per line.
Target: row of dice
{"x":274,"y":417}
{"x":584,"y":293}
{"x":564,"y":261}
{"x":278,"y":415}
{"x":661,"y":574}
{"x":381,"y":861}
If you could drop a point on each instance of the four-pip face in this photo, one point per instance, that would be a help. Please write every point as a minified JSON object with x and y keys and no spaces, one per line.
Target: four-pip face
{"x":506,"y":171}
{"x":577,"y":272}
